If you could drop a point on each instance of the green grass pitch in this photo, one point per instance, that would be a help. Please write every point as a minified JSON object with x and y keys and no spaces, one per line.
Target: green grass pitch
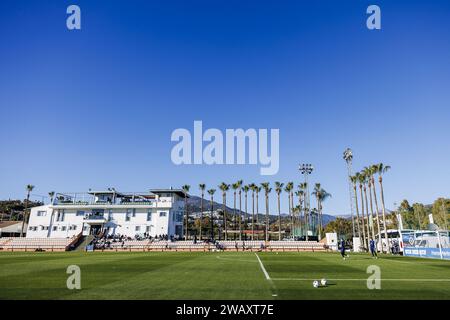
{"x":221,"y":275}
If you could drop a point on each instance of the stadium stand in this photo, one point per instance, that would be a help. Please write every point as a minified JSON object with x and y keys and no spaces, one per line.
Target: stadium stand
{"x":38,"y":244}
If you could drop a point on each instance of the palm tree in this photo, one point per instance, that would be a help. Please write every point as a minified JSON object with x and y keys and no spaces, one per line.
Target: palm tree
{"x":366,"y":202}
{"x":289,"y":187}
{"x":252,"y":186}
{"x":354,"y":179}
{"x":185,"y":189}
{"x":246,"y":189}
{"x":278,"y":190}
{"x":302,"y":198}
{"x":382,"y":169}
{"x":51,"y":194}
{"x":258,"y":190}
{"x":372,"y":171}
{"x":235,"y":187}
{"x":29,"y":189}
{"x":360,"y":179}
{"x":224,"y":187}
{"x":211,"y":193}
{"x":240,"y":207}
{"x":298,"y":216}
{"x":321,"y":196}
{"x":367,"y":173}
{"x":267,"y":190}
{"x":202,"y":188}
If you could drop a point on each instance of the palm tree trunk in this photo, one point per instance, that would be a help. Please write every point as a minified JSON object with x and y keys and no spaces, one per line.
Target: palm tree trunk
{"x":291,"y":215}
{"x":187,"y":218}
{"x":240,"y":216}
{"x":377,"y":213}
{"x":279,"y":219}
{"x":363,"y":219}
{"x":246,"y":216}
{"x":357,"y":212}
{"x":267,"y":217}
{"x":201,"y":215}
{"x":224,"y":200}
{"x":371,"y":211}
{"x":367,"y":214}
{"x":253,"y":216}
{"x":388,"y":246}
{"x":257,"y":218}
{"x":234,"y":215}
{"x":212,"y":217}
{"x":25,"y":214}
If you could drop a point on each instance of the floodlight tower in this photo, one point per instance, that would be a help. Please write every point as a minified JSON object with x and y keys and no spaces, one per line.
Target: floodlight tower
{"x":306,"y":169}
{"x":348,"y":157}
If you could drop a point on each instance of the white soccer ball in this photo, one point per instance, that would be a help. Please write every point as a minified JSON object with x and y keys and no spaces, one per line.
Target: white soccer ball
{"x":315,"y":284}
{"x":323,"y":282}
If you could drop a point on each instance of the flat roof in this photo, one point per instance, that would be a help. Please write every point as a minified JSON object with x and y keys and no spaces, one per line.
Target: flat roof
{"x":178,"y":192}
{"x":117,"y":193}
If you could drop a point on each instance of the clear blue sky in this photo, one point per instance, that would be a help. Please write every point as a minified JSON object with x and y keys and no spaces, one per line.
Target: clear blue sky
{"x":95,"y":108}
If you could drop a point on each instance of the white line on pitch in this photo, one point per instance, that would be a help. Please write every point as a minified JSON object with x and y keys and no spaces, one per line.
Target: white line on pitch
{"x":408,"y":280}
{"x":262,"y":267}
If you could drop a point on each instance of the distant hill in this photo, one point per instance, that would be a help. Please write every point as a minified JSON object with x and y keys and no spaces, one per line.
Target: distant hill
{"x":195,"y":201}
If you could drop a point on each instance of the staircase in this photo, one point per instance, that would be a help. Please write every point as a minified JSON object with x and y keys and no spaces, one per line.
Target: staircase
{"x":84,"y":242}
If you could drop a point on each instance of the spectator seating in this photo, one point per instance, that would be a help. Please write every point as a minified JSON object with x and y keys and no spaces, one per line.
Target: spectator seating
{"x":33,"y":244}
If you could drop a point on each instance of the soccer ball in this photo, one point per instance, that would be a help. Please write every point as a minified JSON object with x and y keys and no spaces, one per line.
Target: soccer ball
{"x":315,"y":284}
{"x":323,"y":282}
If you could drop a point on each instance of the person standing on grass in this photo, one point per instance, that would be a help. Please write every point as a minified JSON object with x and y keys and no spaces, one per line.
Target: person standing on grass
{"x":343,"y":249}
{"x":373,"y":251}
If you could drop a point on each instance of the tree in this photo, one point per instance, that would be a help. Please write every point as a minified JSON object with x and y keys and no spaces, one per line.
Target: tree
{"x":185,"y":189}
{"x":441,"y":212}
{"x":211,"y":193}
{"x":341,"y":226}
{"x":234,"y":186}
{"x":257,"y":190}
{"x":288,"y":189}
{"x":353,"y":179}
{"x":224,"y":188}
{"x":267,"y":190}
{"x":240,"y":208}
{"x":253,"y":188}
{"x":366,"y":202}
{"x":246,"y":189}
{"x":202,"y":188}
{"x":420,"y":214}
{"x":373,"y":170}
{"x":278,"y":190}
{"x":361,"y":179}
{"x":368,"y":174}
{"x":321,"y":195}
{"x":381,"y":169}
{"x":29,"y":189}
{"x":302,"y":199}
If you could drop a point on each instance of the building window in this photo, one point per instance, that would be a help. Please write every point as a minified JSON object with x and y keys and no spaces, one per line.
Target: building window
{"x":149,"y":215}
{"x":63,"y":228}
{"x":163,"y":214}
{"x":55,"y":228}
{"x":128,"y":214}
{"x":41,"y":213}
{"x":138,"y":228}
{"x":147,"y":229}
{"x":80,"y":213}
{"x":134,"y":213}
{"x":60,"y":215}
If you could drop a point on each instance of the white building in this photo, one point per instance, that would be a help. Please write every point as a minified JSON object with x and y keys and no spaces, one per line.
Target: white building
{"x":158,"y":212}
